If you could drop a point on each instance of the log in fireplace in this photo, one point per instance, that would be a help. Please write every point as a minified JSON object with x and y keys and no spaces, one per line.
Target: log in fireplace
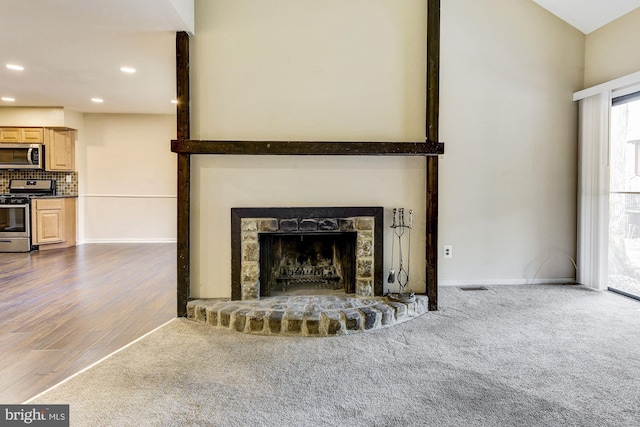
{"x":307,"y":263}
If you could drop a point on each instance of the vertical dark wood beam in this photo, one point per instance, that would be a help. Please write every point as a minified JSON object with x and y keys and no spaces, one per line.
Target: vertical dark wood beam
{"x":184,"y":171}
{"x":433,"y":114}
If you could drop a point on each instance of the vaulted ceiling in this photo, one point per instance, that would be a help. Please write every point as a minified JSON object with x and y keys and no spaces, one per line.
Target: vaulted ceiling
{"x":72,"y":50}
{"x":589,"y":15}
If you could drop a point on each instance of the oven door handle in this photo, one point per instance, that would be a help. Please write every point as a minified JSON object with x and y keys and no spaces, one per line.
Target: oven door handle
{"x":30,"y":156}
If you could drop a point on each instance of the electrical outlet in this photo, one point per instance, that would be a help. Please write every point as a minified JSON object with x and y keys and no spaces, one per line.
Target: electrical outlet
{"x":448,"y":251}
{"x":67,"y":178}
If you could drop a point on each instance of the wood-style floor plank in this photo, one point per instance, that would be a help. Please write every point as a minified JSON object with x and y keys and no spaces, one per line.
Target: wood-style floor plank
{"x":63,"y":310}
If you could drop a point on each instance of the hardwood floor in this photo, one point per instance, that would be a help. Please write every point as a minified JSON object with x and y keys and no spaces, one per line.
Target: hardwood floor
{"x":62,"y":310}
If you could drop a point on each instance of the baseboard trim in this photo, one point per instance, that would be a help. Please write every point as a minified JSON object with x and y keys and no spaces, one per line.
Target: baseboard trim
{"x":157,"y":240}
{"x":505,"y":282}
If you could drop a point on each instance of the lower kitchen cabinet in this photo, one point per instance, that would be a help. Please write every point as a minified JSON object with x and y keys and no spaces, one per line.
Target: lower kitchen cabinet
{"x":53,"y":222}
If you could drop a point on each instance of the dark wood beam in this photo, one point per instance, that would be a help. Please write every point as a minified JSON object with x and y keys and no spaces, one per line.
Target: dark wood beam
{"x":184,"y":172}
{"x":307,"y":148}
{"x":432,"y":123}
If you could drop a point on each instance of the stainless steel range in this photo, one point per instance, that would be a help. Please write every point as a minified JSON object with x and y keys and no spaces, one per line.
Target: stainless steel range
{"x":15,"y":212}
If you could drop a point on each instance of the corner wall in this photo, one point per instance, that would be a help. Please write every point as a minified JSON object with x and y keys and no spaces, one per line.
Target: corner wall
{"x":611,"y":51}
{"x":508,"y":176}
{"x":127,"y":178}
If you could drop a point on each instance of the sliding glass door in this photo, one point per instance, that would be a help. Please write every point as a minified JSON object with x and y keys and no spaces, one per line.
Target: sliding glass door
{"x":624,"y":199}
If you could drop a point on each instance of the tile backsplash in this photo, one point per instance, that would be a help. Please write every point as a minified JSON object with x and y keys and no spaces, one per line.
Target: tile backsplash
{"x":64,"y":188}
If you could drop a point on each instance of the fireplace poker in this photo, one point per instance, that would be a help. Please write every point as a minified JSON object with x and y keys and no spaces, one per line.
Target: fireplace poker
{"x":402,"y":276}
{"x":409,"y":243}
{"x":392,"y":271}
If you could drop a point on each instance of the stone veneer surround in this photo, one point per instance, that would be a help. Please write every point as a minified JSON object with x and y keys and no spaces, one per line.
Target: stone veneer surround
{"x":248,"y":223}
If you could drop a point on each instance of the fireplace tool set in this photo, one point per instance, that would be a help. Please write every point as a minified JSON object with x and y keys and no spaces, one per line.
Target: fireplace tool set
{"x":401,"y":275}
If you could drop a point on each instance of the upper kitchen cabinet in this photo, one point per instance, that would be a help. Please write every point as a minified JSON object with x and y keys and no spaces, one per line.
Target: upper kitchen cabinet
{"x":22,"y":135}
{"x":59,"y":144}
{"x":60,"y":149}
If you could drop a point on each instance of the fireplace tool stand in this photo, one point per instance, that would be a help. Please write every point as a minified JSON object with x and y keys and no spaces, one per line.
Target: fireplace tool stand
{"x":400,"y":228}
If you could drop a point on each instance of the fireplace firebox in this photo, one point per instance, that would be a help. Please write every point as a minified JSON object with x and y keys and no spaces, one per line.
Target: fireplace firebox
{"x":307,"y":263}
{"x":306,"y":251}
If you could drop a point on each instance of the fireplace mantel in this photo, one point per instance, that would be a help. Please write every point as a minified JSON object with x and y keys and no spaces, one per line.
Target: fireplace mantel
{"x":308,"y":148}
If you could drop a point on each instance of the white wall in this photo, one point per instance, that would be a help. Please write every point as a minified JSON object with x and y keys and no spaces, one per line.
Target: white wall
{"x":320,"y":70}
{"x":27,"y":116}
{"x":336,"y":70}
{"x":220,"y":183}
{"x":127,"y":179}
{"x":611,"y":51}
{"x":307,"y":70}
{"x":508,"y":176}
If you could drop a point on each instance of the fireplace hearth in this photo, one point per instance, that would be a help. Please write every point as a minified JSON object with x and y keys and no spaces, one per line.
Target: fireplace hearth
{"x":306,"y":251}
{"x":311,"y":316}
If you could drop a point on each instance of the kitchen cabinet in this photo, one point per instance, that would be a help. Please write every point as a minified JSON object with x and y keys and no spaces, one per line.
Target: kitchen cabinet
{"x":53,"y":222}
{"x":60,"y":149}
{"x":5,"y":219}
{"x":60,"y":144}
{"x":17,"y":135}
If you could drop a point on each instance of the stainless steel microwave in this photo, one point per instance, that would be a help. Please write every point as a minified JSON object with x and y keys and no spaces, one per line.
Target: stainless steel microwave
{"x":21,"y":156}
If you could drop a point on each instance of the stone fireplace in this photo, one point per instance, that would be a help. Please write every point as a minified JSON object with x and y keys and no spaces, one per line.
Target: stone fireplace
{"x":306,"y":251}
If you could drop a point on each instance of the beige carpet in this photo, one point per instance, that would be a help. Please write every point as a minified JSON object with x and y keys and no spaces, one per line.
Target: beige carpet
{"x":535,"y":355}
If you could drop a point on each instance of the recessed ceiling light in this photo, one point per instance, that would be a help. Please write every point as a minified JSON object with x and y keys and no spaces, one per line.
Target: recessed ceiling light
{"x":129,"y":70}
{"x":15,"y":67}
{"x":97,"y":100}
{"x":8,"y":99}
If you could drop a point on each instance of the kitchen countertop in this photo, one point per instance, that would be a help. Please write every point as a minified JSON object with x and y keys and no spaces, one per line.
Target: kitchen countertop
{"x":57,"y":196}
